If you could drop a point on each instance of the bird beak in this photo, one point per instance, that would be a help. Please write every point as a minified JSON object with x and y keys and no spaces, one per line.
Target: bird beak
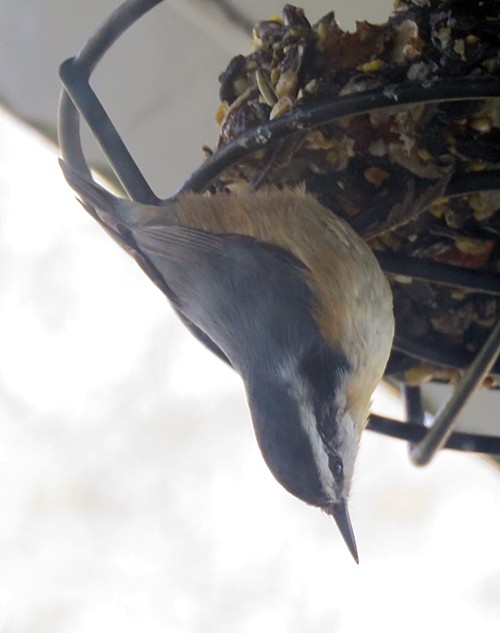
{"x":340,"y":513}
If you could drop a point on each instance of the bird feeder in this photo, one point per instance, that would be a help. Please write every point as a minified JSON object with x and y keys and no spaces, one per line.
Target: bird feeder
{"x":395,"y":128}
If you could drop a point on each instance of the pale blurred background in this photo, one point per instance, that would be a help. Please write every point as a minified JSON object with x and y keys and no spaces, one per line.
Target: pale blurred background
{"x":132,"y":491}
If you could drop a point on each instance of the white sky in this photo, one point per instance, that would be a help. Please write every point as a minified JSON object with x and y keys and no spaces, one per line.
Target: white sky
{"x":133,"y":495}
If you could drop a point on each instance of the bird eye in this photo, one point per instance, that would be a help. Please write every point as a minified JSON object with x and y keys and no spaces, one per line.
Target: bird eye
{"x":336,"y":466}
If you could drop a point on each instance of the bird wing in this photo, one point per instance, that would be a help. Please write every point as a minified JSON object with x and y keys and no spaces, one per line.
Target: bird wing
{"x":96,"y":199}
{"x":221,"y":285}
{"x":231,"y":287}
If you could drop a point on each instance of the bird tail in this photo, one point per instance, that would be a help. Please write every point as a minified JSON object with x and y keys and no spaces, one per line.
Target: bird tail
{"x":89,"y":192}
{"x":111,"y":210}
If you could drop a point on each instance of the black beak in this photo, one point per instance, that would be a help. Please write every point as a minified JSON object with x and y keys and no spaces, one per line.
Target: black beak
{"x":340,"y":513}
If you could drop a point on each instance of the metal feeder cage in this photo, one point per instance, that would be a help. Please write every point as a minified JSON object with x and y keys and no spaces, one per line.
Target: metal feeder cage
{"x":425,"y":439}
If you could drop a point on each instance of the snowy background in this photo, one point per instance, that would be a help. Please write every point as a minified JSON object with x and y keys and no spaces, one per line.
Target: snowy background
{"x":132,"y":492}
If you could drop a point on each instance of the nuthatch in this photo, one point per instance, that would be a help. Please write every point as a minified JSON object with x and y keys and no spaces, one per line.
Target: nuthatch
{"x":292,"y":298}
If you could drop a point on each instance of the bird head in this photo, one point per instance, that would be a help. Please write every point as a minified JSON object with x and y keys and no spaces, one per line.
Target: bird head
{"x":306,"y":432}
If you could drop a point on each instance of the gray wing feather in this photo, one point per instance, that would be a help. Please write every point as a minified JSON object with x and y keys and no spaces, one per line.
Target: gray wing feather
{"x":233,"y":288}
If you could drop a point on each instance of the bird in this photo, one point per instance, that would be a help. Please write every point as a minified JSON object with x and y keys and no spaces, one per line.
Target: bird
{"x":291,"y":297}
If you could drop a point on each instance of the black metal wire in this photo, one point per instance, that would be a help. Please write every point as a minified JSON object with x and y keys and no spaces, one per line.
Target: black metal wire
{"x":436,"y":352}
{"x":469,"y":182}
{"x":78,"y":98}
{"x":438,"y":273}
{"x":414,"y":433}
{"x":90,"y":108}
{"x":436,"y":437}
{"x":315,"y":114}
